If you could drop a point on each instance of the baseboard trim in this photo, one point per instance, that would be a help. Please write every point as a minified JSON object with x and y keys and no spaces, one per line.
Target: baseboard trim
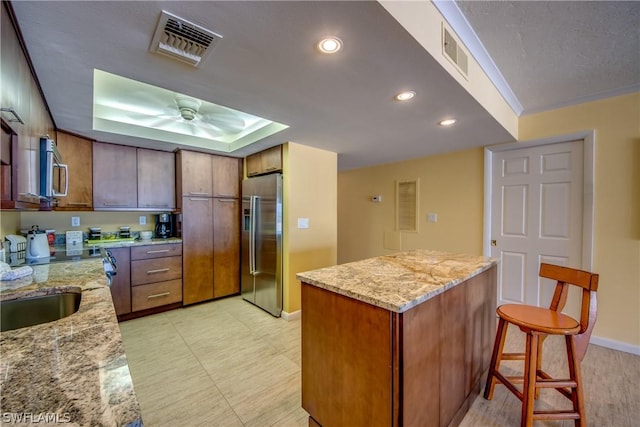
{"x":616,"y":345}
{"x":291,"y":316}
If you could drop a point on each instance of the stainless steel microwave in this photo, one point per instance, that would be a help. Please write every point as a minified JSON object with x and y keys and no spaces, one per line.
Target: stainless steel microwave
{"x":54,"y":175}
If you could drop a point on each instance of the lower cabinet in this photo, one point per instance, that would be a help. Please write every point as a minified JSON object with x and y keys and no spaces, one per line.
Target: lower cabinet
{"x":211,"y":236}
{"x":121,"y":283}
{"x":148,"y":277}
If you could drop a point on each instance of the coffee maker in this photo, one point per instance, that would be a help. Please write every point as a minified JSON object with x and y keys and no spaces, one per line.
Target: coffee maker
{"x":165,"y":225}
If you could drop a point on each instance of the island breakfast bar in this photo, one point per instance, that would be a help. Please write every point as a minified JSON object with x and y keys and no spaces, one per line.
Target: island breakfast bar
{"x":397,"y":340}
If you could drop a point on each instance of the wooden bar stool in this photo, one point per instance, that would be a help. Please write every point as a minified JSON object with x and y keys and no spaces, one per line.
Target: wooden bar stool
{"x":537,"y":323}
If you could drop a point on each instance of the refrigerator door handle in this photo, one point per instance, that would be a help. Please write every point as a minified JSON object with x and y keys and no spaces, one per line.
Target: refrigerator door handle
{"x":252,"y":234}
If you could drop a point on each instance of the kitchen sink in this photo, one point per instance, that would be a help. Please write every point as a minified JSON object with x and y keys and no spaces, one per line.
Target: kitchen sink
{"x":20,"y":313}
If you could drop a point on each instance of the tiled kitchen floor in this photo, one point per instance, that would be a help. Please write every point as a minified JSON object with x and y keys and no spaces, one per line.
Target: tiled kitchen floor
{"x":227,"y":363}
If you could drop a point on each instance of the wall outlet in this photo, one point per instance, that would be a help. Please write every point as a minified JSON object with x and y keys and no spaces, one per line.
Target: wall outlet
{"x":142,"y":220}
{"x":303,"y":222}
{"x":432,"y":217}
{"x":75,"y":221}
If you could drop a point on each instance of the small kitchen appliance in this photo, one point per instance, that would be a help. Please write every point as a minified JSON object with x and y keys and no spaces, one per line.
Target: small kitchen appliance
{"x":164,"y":225}
{"x":37,"y":244}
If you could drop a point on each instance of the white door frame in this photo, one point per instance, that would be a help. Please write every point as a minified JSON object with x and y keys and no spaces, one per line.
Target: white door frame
{"x":588,"y":138}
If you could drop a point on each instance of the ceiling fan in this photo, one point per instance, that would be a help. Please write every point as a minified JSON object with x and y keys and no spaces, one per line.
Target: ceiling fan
{"x":178,"y":112}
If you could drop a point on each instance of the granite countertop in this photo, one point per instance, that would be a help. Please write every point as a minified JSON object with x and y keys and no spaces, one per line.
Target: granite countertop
{"x":400,"y":281}
{"x":73,"y":370}
{"x":137,"y":242}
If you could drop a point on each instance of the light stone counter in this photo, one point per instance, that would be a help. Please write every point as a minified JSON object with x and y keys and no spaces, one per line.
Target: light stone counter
{"x":400,"y":281}
{"x":73,"y":370}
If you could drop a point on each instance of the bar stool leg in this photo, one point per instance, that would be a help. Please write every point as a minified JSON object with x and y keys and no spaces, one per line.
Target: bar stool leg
{"x":530,"y":375}
{"x":574,"y":373}
{"x":496,"y":357}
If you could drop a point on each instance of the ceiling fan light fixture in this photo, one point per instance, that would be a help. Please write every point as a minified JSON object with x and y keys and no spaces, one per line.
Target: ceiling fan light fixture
{"x":188,"y":106}
{"x":329,"y":45}
{"x":447,"y":122}
{"x":405,"y":96}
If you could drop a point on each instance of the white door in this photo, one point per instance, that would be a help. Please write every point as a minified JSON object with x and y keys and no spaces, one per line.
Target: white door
{"x":536,"y":216}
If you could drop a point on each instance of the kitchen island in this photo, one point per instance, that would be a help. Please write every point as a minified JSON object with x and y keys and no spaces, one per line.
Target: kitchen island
{"x":398,"y":340}
{"x":73,"y":370}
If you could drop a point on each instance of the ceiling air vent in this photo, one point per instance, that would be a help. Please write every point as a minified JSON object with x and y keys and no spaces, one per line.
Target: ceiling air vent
{"x":182,"y":40}
{"x":453,"y":50}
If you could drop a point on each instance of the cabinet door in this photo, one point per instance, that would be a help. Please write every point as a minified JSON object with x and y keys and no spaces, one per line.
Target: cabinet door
{"x":272,"y":159}
{"x":114,"y":176}
{"x":226,"y":255}
{"x":195,"y":174}
{"x":197,"y":249}
{"x":254,"y":164}
{"x":121,"y":285}
{"x":156,"y":179}
{"x":226,"y":176}
{"x":77,"y":153}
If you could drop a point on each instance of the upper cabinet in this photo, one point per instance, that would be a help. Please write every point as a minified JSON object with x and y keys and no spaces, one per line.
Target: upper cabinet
{"x":77,"y":154}
{"x":206,"y":175}
{"x":114,"y":177}
{"x":21,"y":92}
{"x":129,"y":178}
{"x":156,"y":179}
{"x":264,"y":162}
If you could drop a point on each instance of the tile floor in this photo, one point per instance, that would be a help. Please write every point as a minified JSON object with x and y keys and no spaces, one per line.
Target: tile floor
{"x":227,"y":363}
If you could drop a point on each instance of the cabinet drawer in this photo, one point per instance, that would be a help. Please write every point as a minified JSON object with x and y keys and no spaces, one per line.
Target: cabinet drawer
{"x":156,"y":294}
{"x":155,"y":270}
{"x":156,"y":251}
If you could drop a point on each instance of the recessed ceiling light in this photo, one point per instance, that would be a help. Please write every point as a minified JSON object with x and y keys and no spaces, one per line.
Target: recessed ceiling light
{"x":405,"y":96}
{"x":447,"y":122}
{"x":330,"y":45}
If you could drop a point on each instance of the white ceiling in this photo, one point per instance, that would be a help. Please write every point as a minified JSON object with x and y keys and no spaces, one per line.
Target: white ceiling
{"x":549,"y":53}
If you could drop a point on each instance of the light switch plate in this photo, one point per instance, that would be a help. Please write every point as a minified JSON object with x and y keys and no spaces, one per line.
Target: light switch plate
{"x":75,"y":221}
{"x":142,"y":220}
{"x":432,"y":217}
{"x":303,"y":222}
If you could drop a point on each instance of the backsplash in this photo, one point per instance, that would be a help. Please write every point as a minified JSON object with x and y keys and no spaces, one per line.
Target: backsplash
{"x":109,"y":222}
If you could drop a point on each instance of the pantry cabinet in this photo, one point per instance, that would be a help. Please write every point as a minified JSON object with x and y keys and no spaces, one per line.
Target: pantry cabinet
{"x":77,"y":154}
{"x":209,"y":198}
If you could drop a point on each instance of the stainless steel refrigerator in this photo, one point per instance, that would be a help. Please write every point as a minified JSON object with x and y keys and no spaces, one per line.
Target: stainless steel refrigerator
{"x":261,"y":280}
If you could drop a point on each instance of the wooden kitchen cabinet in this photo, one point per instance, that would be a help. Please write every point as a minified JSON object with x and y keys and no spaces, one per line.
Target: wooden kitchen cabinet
{"x":424,"y":364}
{"x":21,"y":91}
{"x":114,"y":177}
{"x":226,"y":172}
{"x":77,"y":153}
{"x":121,"y":284}
{"x":209,"y":198}
{"x":226,"y":247}
{"x":156,"y":276}
{"x":198,"y":249}
{"x":194,"y":176}
{"x":267,"y":161}
{"x":206,"y":175}
{"x":156,"y":180}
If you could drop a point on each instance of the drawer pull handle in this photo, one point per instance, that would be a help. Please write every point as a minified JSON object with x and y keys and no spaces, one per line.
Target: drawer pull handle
{"x":158,"y":251}
{"x":198,"y":193}
{"x":164,"y":294}
{"x":227,"y":200}
{"x":198,"y":199}
{"x":161,"y":270}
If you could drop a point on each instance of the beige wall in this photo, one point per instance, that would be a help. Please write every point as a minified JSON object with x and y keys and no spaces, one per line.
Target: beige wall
{"x":616,"y":256}
{"x":451,"y":186}
{"x":310,"y":191}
